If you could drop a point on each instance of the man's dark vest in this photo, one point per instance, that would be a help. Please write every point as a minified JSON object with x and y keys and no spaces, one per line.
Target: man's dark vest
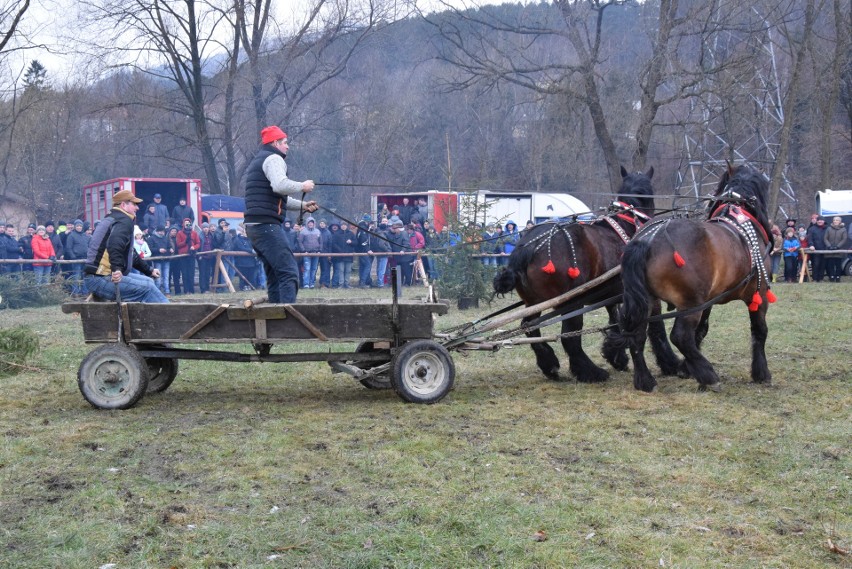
{"x":262,"y":204}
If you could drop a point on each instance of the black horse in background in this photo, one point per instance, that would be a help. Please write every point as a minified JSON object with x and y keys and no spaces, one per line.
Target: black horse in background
{"x":553,"y":258}
{"x":693,"y":264}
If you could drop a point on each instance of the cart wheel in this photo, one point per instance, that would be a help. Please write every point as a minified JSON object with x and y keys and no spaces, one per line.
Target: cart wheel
{"x":423,"y":372}
{"x":113,"y":376}
{"x":162,"y":372}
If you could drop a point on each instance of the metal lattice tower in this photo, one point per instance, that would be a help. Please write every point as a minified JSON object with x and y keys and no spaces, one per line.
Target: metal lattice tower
{"x":743,"y":123}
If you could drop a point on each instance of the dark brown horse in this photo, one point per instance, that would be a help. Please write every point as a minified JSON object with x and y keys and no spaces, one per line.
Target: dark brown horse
{"x":553,"y":258}
{"x":693,"y":264}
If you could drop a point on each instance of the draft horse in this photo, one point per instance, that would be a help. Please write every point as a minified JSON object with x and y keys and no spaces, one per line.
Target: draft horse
{"x":553,"y":258}
{"x":692,"y":265}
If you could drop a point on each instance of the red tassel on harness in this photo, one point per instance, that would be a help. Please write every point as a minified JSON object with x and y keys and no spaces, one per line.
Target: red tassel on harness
{"x":770,"y":296}
{"x":549,"y":268}
{"x":678,"y":259}
{"x":573,"y":272}
{"x":756,"y":301}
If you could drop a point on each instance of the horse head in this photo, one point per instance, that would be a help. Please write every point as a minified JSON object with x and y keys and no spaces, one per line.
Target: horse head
{"x":747,"y":186}
{"x":637,"y":191}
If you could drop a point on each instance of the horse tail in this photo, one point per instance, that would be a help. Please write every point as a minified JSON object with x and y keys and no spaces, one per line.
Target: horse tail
{"x":635,"y":304}
{"x":504,"y":281}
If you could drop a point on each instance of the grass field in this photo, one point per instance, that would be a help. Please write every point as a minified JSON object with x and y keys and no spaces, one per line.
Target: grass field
{"x":287,"y":465}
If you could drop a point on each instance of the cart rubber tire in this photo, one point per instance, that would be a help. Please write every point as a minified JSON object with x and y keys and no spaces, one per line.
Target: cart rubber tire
{"x":423,"y":372}
{"x":161,"y":373}
{"x":113,"y":376}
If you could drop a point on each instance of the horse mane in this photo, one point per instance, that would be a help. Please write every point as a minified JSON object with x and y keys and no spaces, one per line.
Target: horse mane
{"x":752,"y":186}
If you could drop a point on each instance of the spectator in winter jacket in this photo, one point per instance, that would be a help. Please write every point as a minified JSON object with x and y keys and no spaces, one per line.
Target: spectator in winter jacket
{"x":247,"y":266}
{"x":379,"y":244}
{"x":188,"y":243}
{"x":220,"y":241}
{"x":56,"y":241}
{"x":161,"y":212}
{"x":325,"y":261}
{"x":816,"y":242}
{"x":310,"y":240}
{"x":26,"y":243}
{"x":342,"y":242}
{"x":174,"y":263}
{"x":149,"y":220}
{"x":42,"y":251}
{"x":76,"y":247}
{"x":835,"y":238}
{"x":207,"y":262}
{"x":362,"y":245}
{"x":7,"y":249}
{"x":160,"y":246}
{"x":489,"y":240}
{"x":140,"y":245}
{"x":791,"y":255}
{"x":183,"y":211}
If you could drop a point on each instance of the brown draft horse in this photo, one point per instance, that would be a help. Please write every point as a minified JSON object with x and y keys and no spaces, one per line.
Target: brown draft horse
{"x":553,"y":258}
{"x":693,"y":264}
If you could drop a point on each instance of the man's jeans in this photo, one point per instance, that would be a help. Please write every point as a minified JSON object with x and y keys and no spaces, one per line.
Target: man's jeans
{"x":342,"y":273}
{"x":381,"y":269}
{"x":365,"y":264}
{"x":165,"y":272}
{"x":77,"y":284}
{"x":310,"y":265}
{"x":134,"y":288}
{"x":282,"y":273}
{"x":325,"y":271}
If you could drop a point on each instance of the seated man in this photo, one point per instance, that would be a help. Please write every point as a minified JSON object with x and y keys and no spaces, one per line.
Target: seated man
{"x":111,"y":256}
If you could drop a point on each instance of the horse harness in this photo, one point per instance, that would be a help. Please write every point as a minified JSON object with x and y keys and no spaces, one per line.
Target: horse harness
{"x":744,"y":223}
{"x":619,"y":210}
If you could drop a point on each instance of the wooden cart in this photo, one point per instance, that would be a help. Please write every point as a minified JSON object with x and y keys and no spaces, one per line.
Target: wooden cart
{"x":142,"y":343}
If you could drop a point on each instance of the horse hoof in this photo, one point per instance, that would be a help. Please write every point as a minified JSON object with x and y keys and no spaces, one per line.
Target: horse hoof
{"x":714,"y":387}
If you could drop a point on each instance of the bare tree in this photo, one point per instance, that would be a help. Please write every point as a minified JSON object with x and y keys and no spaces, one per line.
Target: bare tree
{"x":168,"y":39}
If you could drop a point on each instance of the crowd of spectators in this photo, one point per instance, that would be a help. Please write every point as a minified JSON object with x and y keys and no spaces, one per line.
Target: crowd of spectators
{"x":181,"y":250}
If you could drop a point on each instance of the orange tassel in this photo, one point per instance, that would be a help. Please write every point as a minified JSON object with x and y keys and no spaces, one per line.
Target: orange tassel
{"x":752,"y":307}
{"x":573,"y":272}
{"x":756,"y":299}
{"x":678,"y":259}
{"x":549,"y":268}
{"x":770,"y":296}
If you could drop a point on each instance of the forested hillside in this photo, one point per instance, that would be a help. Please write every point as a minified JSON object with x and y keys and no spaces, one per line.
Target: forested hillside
{"x":545,"y":97}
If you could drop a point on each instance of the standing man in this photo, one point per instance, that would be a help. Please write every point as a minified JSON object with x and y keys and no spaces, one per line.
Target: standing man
{"x":268,"y":191}
{"x":183,"y":211}
{"x":161,"y":212}
{"x":111,"y":256}
{"x":27,"y":245}
{"x":188,"y":243}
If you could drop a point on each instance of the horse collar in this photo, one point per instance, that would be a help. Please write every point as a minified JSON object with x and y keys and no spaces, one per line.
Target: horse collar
{"x":740,"y":216}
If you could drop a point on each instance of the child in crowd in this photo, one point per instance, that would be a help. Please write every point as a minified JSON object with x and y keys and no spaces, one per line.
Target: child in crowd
{"x":791,"y":255}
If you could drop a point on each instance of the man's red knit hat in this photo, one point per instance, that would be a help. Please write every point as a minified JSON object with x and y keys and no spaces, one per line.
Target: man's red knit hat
{"x":271,"y":134}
